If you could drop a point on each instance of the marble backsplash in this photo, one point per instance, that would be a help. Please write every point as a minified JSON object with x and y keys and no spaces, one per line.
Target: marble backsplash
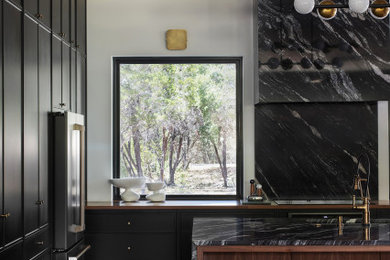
{"x":357,"y":42}
{"x":310,"y":150}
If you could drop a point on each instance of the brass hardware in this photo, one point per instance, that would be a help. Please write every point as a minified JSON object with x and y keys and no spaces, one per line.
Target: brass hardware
{"x":318,"y":225}
{"x":40,"y":202}
{"x":63,"y":35}
{"x":80,"y":254}
{"x":357,"y":185}
{"x":62,"y":104}
{"x":327,"y":13}
{"x":7,"y":215}
{"x":341,"y":225}
{"x":128,"y":223}
{"x":176,"y":39}
{"x":39,"y":16}
{"x":39,"y":243}
{"x":379,"y":12}
{"x":367,"y":233}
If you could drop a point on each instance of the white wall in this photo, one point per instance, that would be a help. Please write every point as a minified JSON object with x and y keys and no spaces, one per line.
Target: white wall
{"x":137,"y":28}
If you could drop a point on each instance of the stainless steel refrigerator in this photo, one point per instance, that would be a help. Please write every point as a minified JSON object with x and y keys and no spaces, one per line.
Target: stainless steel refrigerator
{"x":69,"y":186}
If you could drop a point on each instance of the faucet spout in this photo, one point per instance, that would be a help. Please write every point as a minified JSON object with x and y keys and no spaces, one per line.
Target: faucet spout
{"x":357,"y":184}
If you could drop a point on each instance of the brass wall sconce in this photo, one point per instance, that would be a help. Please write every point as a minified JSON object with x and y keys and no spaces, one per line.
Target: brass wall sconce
{"x":327,"y":9}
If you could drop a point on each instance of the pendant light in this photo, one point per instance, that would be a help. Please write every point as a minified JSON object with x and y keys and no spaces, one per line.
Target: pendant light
{"x":304,"y":6}
{"x":326,"y":13}
{"x":379,"y":12}
{"x":359,"y":6}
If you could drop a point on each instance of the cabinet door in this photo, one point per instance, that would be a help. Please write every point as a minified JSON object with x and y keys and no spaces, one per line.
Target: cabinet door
{"x":81,"y":26}
{"x":65,"y":77}
{"x":72,"y":22}
{"x":44,"y":109}
{"x":31,"y":6}
{"x":81,"y":84}
{"x":73,"y":91}
{"x":13,"y":253}
{"x":65,"y":16}
{"x":335,"y":256}
{"x":12,"y":90}
{"x":56,"y":16}
{"x":56,"y":73}
{"x":132,"y":246}
{"x":44,"y":11}
{"x":31,"y":175}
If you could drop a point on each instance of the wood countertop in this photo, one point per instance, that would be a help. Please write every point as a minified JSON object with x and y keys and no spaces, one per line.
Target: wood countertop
{"x":213,"y":204}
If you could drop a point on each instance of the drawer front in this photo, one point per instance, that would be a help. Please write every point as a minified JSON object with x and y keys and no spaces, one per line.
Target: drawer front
{"x":36,"y":244}
{"x":143,"y":246}
{"x":13,"y":253}
{"x":131,"y":222}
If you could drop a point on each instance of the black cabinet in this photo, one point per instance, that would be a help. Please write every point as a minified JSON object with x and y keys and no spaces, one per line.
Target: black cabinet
{"x":65,"y":20}
{"x":12,"y":122}
{"x":73,"y":81}
{"x":36,"y":244}
{"x":65,"y":77}
{"x":44,"y":14}
{"x":30,"y":124}
{"x":44,"y":108}
{"x":31,"y":7}
{"x":2,"y":219}
{"x":56,"y":17}
{"x":81,"y":84}
{"x":81,"y":26}
{"x":15,"y":252}
{"x":56,"y":73}
{"x":72,"y":23}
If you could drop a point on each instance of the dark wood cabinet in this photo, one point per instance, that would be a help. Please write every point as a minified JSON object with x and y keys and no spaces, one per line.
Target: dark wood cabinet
{"x":12,"y":122}
{"x":336,"y":256}
{"x":65,"y":93}
{"x":228,"y":256}
{"x":44,"y":13}
{"x":65,"y":20}
{"x":36,"y":243}
{"x":81,"y":26}
{"x":56,"y":17}
{"x":31,"y":7}
{"x":44,"y":109}
{"x":30,"y":125}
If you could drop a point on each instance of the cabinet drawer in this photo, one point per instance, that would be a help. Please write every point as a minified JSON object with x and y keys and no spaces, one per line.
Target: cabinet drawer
{"x":131,"y":222}
{"x":36,"y":244}
{"x":335,"y":256}
{"x":143,"y":246}
{"x":15,"y":252}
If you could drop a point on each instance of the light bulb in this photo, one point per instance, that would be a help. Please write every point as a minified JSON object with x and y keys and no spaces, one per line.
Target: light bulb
{"x":304,"y":6}
{"x":359,"y":6}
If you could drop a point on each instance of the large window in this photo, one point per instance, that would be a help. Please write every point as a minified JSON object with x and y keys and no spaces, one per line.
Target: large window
{"x":178,"y":120}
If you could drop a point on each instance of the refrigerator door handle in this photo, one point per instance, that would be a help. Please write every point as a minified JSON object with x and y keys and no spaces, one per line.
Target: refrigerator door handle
{"x":80,"y":254}
{"x":81,"y":227}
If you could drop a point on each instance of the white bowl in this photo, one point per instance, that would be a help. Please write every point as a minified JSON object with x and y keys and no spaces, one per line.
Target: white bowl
{"x":153,"y":186}
{"x":128,"y":182}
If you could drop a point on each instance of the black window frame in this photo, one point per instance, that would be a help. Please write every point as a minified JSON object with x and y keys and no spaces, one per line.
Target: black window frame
{"x":117,"y":61}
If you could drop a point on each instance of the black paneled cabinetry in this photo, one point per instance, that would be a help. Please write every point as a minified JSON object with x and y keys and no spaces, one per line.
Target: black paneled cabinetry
{"x":39,"y":71}
{"x":12,"y":123}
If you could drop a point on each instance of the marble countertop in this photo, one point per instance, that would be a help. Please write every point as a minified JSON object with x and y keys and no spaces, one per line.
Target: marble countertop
{"x":285,"y":232}
{"x":214,"y":204}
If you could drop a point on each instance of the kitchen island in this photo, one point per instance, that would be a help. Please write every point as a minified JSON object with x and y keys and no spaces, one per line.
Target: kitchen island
{"x":289,"y":239}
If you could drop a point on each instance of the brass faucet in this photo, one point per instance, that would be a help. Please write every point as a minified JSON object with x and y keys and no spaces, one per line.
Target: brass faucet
{"x":357,"y":186}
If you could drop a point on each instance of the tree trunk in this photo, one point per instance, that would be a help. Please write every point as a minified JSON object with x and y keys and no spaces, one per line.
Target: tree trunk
{"x":137,"y":150}
{"x":171,"y":151}
{"x":220,"y":164}
{"x":164,"y":154}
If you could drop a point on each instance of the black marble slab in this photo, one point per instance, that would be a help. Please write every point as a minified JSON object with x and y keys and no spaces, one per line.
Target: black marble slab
{"x":283,"y":232}
{"x":310,"y":150}
{"x":357,"y":42}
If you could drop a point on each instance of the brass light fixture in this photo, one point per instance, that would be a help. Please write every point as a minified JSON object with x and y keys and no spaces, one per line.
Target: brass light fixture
{"x":379,"y":12}
{"x":327,"y":13}
{"x":327,"y":9}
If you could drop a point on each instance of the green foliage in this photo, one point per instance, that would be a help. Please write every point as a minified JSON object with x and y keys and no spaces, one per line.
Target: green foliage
{"x":192,"y":101}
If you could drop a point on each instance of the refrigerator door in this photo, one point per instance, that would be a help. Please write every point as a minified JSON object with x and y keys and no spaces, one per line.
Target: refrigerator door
{"x":69,"y":152}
